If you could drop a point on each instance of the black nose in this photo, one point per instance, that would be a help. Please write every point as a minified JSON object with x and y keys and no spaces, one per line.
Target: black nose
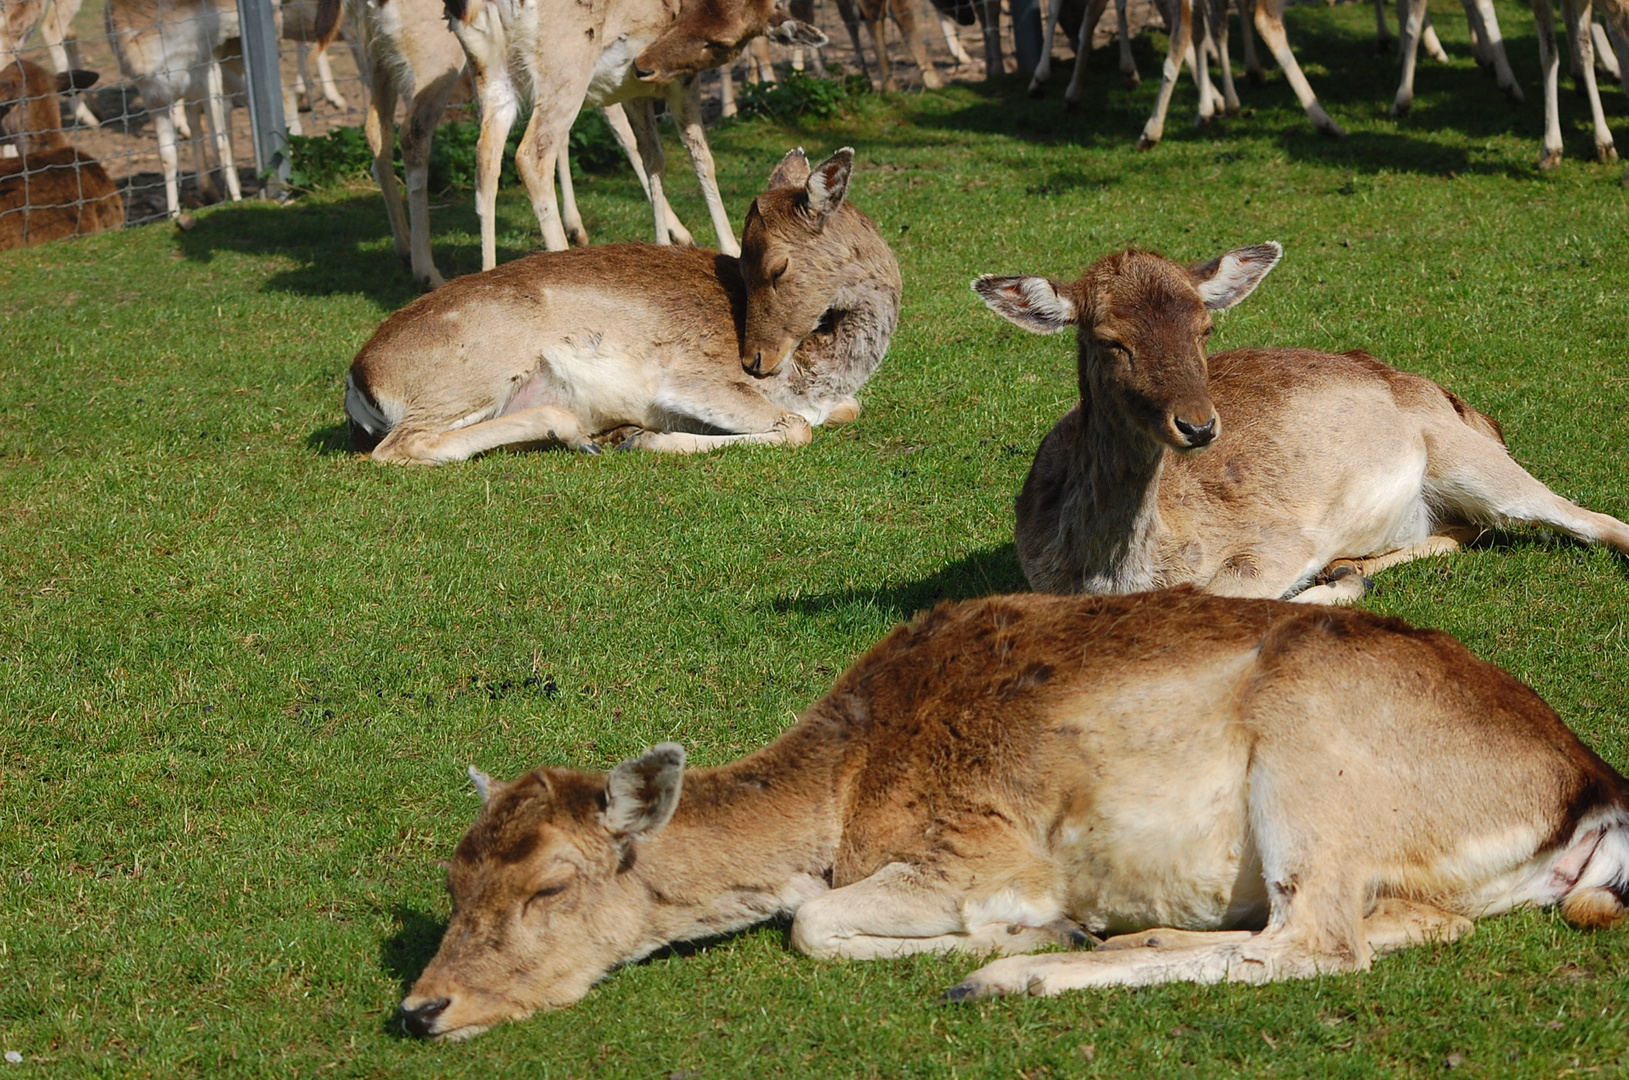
{"x":1197,"y":436}
{"x":417,"y":1021}
{"x":642,"y":73}
{"x":757,"y":365}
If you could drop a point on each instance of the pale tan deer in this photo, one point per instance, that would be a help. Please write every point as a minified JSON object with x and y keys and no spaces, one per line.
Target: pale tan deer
{"x":695,"y":348}
{"x":1309,"y":458}
{"x":561,"y":59}
{"x":1290,"y":790}
{"x":173,"y":51}
{"x":410,"y":54}
{"x":48,"y":190}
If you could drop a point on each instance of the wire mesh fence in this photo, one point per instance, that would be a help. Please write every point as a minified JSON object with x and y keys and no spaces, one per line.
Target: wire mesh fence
{"x":169,"y":75}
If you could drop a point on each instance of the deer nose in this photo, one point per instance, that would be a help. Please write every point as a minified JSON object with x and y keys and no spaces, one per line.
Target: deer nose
{"x":755,"y":366}
{"x":1202,"y":435}
{"x":418,"y":1021}
{"x":642,"y":73}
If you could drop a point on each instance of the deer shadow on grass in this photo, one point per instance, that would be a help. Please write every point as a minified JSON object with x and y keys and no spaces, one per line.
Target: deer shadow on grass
{"x":983,"y":573}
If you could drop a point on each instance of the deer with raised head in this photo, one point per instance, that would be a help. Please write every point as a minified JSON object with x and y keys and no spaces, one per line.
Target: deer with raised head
{"x":1251,"y":472}
{"x":48,"y":190}
{"x":694,"y":348}
{"x":1240,"y":790}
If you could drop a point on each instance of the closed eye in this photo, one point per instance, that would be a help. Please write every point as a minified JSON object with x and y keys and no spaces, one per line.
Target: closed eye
{"x":544,"y":894}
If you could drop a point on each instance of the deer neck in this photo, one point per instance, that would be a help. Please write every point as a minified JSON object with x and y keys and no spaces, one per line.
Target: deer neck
{"x":749,"y":841}
{"x":1119,"y":468}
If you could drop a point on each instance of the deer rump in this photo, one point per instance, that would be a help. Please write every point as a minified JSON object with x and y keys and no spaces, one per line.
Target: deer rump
{"x":586,"y":341}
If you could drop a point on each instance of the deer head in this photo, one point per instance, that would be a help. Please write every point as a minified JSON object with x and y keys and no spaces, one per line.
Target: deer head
{"x":542,"y":905}
{"x":794,"y":256}
{"x":1143,"y":322}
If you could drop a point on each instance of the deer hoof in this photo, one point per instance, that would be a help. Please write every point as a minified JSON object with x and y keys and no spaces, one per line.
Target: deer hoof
{"x":1145,"y":143}
{"x":1550,"y":159}
{"x":1131,"y":80}
{"x":1400,"y":108}
{"x":1606,"y":153}
{"x":1037,"y":89}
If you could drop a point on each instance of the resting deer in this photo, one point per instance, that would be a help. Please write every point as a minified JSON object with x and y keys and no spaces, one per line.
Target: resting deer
{"x":1308,"y":457}
{"x":695,"y":348}
{"x":48,"y":190}
{"x":1290,"y":790}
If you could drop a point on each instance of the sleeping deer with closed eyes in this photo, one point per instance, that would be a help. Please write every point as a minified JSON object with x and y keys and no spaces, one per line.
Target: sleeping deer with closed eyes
{"x":1253,"y":472}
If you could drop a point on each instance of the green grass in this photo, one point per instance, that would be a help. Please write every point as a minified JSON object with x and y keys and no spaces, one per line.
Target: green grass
{"x":242,"y":672}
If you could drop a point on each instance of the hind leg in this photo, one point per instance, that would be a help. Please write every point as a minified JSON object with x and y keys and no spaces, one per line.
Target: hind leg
{"x":1474,"y":479}
{"x":538,"y":425}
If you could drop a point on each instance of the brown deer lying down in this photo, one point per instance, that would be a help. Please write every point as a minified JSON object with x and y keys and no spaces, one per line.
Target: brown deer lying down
{"x":696,"y":348}
{"x":49,"y":190}
{"x":1313,"y":458}
{"x":1294,"y":789}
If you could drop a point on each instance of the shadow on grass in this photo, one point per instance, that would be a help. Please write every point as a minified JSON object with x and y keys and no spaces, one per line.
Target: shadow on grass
{"x":1457,"y":107}
{"x":983,"y":573}
{"x":331,"y":441}
{"x":340,"y":246}
{"x":405,"y":956}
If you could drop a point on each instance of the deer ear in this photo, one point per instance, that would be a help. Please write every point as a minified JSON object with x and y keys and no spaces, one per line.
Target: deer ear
{"x":793,"y":171}
{"x":829,"y":182}
{"x":642,"y":793}
{"x":1040,"y":305}
{"x":1225,"y":281}
{"x":485,"y":786}
{"x":796,"y":32}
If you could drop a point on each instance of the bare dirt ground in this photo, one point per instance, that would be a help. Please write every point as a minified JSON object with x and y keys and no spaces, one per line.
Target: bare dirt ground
{"x":126,"y":145}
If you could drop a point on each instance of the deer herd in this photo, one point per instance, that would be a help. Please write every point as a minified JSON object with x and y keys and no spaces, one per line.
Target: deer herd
{"x":1175,"y":759}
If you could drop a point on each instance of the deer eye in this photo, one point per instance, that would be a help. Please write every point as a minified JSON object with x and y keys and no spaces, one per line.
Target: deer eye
{"x":544,"y":894}
{"x":779,"y":271}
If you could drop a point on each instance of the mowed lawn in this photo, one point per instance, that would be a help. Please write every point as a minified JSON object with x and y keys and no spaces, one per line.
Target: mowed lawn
{"x":242,"y":671}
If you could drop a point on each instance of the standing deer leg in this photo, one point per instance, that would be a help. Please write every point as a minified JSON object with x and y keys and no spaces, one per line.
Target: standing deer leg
{"x":1128,"y":63}
{"x":424,"y":111}
{"x":1429,"y":40}
{"x":623,"y":131}
{"x":1485,"y":25}
{"x":220,"y":119}
{"x":164,"y":128}
{"x":1270,"y":22}
{"x":499,"y":107}
{"x":58,"y":36}
{"x":379,"y":127}
{"x":1550,"y":62}
{"x":1583,"y":47}
{"x":953,"y":42}
{"x":1088,"y":24}
{"x":1200,"y":51}
{"x":576,"y":235}
{"x":535,"y":161}
{"x":1410,"y":16}
{"x":915,"y":43}
{"x":851,"y":22}
{"x":1181,"y":36}
{"x":685,"y":103}
{"x":1253,"y":70}
{"x":325,"y":75}
{"x":203,"y":166}
{"x":1043,"y":70}
{"x":1219,"y":34}
{"x":1382,"y":33}
{"x":647,"y":140}
{"x":878,"y":27}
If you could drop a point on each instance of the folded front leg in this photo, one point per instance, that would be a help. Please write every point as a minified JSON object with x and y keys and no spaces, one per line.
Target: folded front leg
{"x":899,"y":910}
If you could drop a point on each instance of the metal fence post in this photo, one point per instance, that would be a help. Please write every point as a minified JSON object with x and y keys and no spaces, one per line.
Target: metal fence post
{"x":265,"y":93}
